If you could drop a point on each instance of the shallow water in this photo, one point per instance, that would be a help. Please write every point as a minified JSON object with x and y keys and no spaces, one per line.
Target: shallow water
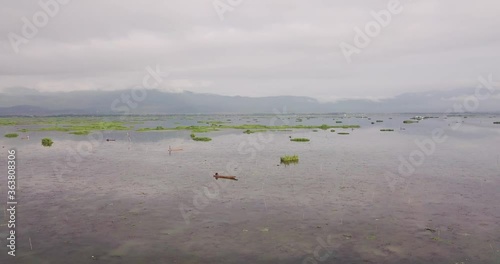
{"x":344,"y":202}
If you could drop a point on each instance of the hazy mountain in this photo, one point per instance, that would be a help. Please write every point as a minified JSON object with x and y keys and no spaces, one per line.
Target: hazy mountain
{"x":25,"y":101}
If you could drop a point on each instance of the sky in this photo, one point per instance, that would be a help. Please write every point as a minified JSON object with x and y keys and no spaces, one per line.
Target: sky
{"x":251,"y":47}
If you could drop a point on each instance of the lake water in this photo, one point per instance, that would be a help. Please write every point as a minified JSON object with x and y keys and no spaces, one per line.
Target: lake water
{"x":425,"y":193}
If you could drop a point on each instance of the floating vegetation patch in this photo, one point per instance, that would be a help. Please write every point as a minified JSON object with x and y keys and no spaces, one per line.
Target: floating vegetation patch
{"x":67,"y":121}
{"x":158,"y":128}
{"x":386,"y":129}
{"x":215,"y":123}
{"x":248,"y":131}
{"x":287,"y":159}
{"x":315,"y":130}
{"x":206,"y":139}
{"x":80,"y":133}
{"x":201,"y":129}
{"x":47,"y":142}
{"x":11,"y":135}
{"x":300,"y":139}
{"x":338,"y":122}
{"x":24,"y":130}
{"x":333,"y":130}
{"x":380,"y":121}
{"x":343,"y":133}
{"x":7,"y":122}
{"x":194,"y":129}
{"x":195,"y":138}
{"x":409,"y":121}
{"x":278,"y":130}
{"x":496,"y":123}
{"x":87,"y":127}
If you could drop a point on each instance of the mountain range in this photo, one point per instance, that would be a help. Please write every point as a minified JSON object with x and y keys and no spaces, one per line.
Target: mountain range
{"x":27,"y":101}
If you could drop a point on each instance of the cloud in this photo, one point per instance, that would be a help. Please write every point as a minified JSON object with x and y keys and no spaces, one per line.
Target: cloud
{"x":261,"y":48}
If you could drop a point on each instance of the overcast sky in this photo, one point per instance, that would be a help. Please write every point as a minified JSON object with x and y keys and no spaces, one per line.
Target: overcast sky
{"x":259,"y":48}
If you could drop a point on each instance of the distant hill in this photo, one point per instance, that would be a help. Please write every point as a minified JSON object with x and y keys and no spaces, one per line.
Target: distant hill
{"x":25,"y":101}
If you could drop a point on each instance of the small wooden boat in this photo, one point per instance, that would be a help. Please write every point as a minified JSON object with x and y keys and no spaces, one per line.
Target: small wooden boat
{"x":217,"y":176}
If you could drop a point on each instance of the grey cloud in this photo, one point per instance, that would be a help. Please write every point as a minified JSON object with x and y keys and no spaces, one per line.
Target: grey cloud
{"x":262,"y":48}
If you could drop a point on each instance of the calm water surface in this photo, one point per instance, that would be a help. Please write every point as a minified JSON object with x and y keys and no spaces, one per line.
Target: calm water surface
{"x":366,"y":197}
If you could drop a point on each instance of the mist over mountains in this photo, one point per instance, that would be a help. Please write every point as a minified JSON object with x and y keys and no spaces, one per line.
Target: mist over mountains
{"x":26,"y":101}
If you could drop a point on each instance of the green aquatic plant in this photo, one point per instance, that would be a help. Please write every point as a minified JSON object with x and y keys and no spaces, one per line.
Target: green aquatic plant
{"x":113,"y":125}
{"x":409,"y":121}
{"x":300,"y":139}
{"x":158,"y":128}
{"x":47,"y":142}
{"x":248,"y":131}
{"x":7,"y":122}
{"x":333,"y":130}
{"x":324,"y":126}
{"x":386,"y":129}
{"x":380,"y":121}
{"x":11,"y":135}
{"x":195,"y":138}
{"x":315,"y":130}
{"x":80,"y":133}
{"x":201,"y":129}
{"x":277,"y":130}
{"x":60,"y":120}
{"x":206,"y":139}
{"x":194,"y":129}
{"x":496,"y":123}
{"x":287,"y":159}
{"x":24,"y":130}
{"x":343,"y":133}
